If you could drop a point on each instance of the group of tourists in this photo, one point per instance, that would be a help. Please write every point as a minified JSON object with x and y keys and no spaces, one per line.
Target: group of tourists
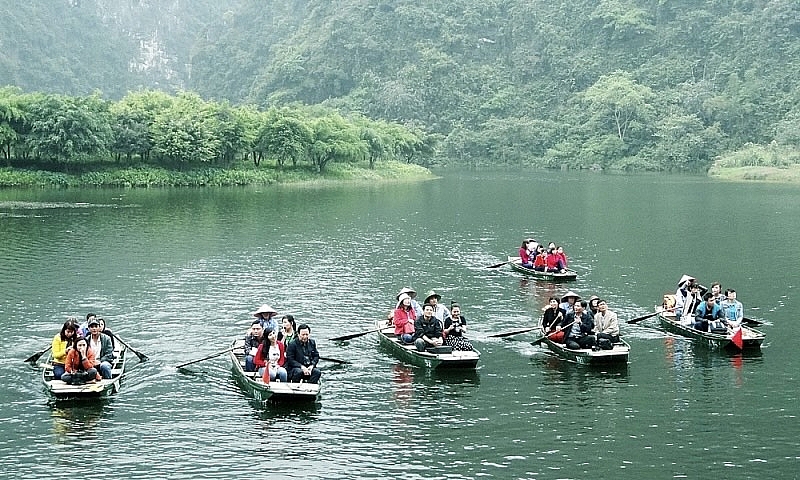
{"x":429,"y":325}
{"x":536,"y":256}
{"x":83,"y":353}
{"x":579,"y":324}
{"x":706,"y":310}
{"x":286,"y":353}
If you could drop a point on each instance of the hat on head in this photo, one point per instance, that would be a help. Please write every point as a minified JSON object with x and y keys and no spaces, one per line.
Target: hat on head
{"x":685,"y":279}
{"x":570,"y":294}
{"x":400,"y":298}
{"x":432,"y":294}
{"x":593,"y":297}
{"x":93,"y":322}
{"x":411,"y":293}
{"x":264,"y":309}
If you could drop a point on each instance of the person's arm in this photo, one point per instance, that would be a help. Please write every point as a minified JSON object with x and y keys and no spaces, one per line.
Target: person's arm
{"x":59,"y":350}
{"x":314,"y":353}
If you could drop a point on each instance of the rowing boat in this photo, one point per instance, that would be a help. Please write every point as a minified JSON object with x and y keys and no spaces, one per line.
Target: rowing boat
{"x":618,"y":354}
{"x":60,"y":390}
{"x":272,"y":392}
{"x":751,"y":338}
{"x":568,"y":275}
{"x":445,"y":358}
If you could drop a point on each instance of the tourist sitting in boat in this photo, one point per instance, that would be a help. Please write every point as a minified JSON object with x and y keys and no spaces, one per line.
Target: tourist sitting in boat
{"x":102,"y":347}
{"x":288,"y":331}
{"x":581,"y":331}
{"x":716,"y":290}
{"x":427,"y":330}
{"x":592,"y":305}
{"x":562,"y":256}
{"x":63,"y":342}
{"x":266,"y":315}
{"x":302,"y":357}
{"x":439,"y":311}
{"x":414,"y":303}
{"x":551,"y":319}
{"x":540,"y":262}
{"x":252,"y":340}
{"x":708,"y":311}
{"x":271,"y":352}
{"x":83,"y":329}
{"x":455,"y":326}
{"x":732,"y":309}
{"x":692,"y":301}
{"x":404,"y":318}
{"x":606,"y":326}
{"x":107,"y":331}
{"x":79,"y":367}
{"x":684,"y":287}
{"x":568,"y":301}
{"x":525,"y":255}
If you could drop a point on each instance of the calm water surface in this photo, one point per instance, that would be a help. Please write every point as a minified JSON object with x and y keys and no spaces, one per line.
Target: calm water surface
{"x":176,"y":273}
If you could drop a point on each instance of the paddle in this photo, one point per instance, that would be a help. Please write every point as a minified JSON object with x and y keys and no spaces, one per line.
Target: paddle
{"x":335,"y":360}
{"x":142,"y":356}
{"x":649,"y":315}
{"x":751,"y":322}
{"x":540,"y":340}
{"x":496,"y":265}
{"x":36,"y":356}
{"x":510,"y":260}
{"x":213,"y":355}
{"x":512,"y":332}
{"x":350,"y":336}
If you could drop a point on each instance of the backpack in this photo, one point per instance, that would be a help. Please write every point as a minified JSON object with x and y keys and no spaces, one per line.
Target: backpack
{"x":605,"y":344}
{"x":716,"y":326}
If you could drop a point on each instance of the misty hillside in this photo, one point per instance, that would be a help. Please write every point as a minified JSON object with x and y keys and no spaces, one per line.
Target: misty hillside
{"x":633,"y":83}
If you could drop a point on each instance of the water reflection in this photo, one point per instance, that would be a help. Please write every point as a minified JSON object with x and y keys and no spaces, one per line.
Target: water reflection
{"x":76,"y":420}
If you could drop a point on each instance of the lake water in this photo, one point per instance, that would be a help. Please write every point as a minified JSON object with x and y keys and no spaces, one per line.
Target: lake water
{"x":176,"y":272}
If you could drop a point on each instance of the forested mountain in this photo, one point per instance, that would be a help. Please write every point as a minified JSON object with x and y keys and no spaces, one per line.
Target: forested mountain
{"x":615,"y":83}
{"x":79,"y":46}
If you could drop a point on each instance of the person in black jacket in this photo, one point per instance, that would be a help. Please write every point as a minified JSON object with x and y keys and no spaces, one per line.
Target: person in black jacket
{"x":580,"y":334}
{"x":302,"y":357}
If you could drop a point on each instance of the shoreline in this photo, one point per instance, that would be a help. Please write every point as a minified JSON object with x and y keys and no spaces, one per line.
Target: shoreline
{"x":146,"y":176}
{"x":763,"y":174}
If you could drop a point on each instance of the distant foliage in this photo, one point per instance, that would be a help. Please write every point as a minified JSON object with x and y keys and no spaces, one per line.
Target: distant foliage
{"x":184,"y":131}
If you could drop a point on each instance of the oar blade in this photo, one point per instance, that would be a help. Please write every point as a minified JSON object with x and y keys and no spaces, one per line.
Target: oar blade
{"x":336,"y":360}
{"x":36,"y":356}
{"x":643,"y":317}
{"x":498,"y":265}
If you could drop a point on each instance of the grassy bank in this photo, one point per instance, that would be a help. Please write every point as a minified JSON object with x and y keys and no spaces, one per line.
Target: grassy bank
{"x":764,"y":163}
{"x":148,"y":176}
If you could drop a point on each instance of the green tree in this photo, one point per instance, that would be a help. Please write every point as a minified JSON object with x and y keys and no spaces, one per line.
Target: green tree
{"x":335,"y":140}
{"x":284,"y":136}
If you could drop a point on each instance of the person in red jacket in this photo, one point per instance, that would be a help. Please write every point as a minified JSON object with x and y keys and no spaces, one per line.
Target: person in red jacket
{"x":271,"y":352}
{"x":79,"y":367}
{"x":540,"y":263}
{"x":525,"y":255}
{"x":404,"y":318}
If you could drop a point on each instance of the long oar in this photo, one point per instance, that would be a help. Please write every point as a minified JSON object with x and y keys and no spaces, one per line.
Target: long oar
{"x":497,"y":265}
{"x":335,"y":360}
{"x":751,"y":322}
{"x":213,"y":355}
{"x":540,"y":340}
{"x":512,"y":332}
{"x":36,"y":356}
{"x":350,"y":336}
{"x":142,"y":356}
{"x":649,"y":315}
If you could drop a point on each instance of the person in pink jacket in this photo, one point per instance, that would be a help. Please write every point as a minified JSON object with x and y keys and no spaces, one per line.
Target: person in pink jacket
{"x":404,"y":317}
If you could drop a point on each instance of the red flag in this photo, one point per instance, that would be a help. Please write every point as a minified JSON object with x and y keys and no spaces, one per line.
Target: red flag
{"x":265,"y":376}
{"x":736,"y":339}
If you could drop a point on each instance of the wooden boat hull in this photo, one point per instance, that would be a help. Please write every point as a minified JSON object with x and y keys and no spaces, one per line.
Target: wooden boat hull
{"x":60,"y":390}
{"x":586,"y":356}
{"x":273,"y":392}
{"x":751,"y":338}
{"x":434,"y":361}
{"x":569,"y":275}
